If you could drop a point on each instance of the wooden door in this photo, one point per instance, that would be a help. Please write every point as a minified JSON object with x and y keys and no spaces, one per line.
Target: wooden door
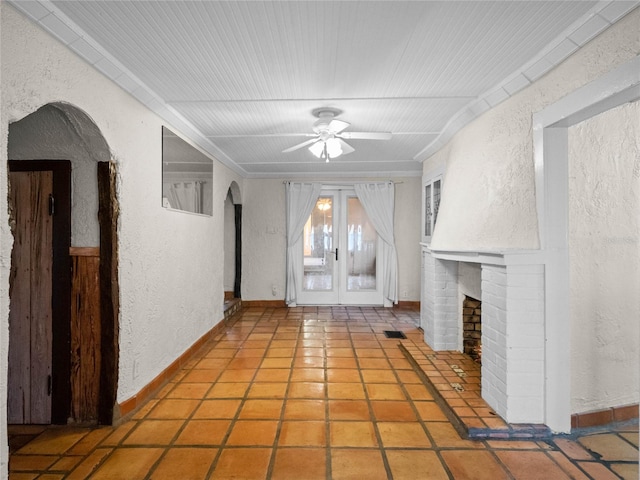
{"x":30,"y":316}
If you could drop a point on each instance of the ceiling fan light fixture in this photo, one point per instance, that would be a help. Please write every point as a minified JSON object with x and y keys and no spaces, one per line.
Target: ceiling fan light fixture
{"x":329,"y":136}
{"x":327,"y":149}
{"x":317,"y":149}
{"x":334,"y":149}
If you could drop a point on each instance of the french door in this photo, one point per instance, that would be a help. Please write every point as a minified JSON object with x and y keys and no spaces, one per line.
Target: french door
{"x":341,"y":252}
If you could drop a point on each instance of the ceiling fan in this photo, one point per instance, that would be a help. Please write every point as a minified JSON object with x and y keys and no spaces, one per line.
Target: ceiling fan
{"x":328,"y":141}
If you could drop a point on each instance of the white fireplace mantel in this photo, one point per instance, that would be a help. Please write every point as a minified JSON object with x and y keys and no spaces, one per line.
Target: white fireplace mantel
{"x":489,"y":257}
{"x":512,"y":285}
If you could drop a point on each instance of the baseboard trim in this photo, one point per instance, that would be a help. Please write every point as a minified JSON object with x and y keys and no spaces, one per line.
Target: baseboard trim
{"x":605,"y":416}
{"x":124,"y":410}
{"x":264,"y":303}
{"x":407,"y":305}
{"x":402,"y":305}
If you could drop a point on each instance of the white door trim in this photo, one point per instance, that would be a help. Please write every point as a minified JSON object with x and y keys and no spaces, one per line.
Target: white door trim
{"x":550,"y":133}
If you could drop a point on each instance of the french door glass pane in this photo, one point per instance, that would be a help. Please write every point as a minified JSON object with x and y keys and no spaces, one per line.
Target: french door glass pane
{"x":318,"y":245}
{"x":361,"y":248}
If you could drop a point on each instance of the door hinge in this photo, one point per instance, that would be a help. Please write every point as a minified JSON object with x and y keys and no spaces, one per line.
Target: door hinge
{"x":52,"y":205}
{"x":49,"y":385}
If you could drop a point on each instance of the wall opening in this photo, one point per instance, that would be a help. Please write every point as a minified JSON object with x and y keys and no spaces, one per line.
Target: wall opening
{"x":229,"y":248}
{"x":84,"y":373}
{"x":232,"y":250}
{"x":550,"y":135}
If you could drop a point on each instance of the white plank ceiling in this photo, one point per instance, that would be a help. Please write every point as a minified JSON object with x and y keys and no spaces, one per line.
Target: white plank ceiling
{"x":241,"y":78}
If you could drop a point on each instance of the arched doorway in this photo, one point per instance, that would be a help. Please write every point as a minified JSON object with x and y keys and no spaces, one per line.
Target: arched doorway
{"x":232,"y":243}
{"x":70,"y":310}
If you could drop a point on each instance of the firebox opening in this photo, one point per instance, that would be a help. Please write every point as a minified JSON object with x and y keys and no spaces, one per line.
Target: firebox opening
{"x":472,"y":328}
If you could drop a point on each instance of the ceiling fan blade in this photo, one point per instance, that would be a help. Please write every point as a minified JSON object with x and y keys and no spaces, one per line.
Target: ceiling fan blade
{"x":346,"y":148}
{"x":336,"y":126}
{"x":300,"y":145}
{"x":366,"y":135}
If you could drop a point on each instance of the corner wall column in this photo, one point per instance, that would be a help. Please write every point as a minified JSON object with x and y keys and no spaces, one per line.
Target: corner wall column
{"x":513,"y":341}
{"x":440,"y":310}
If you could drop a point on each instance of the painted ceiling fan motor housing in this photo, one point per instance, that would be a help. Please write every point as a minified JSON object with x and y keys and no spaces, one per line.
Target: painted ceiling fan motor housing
{"x":325,"y":118}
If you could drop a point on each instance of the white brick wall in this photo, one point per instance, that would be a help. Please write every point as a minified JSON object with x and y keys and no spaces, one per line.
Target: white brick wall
{"x":513,"y":344}
{"x":525,"y":307}
{"x":494,"y":337}
{"x":513,"y":341}
{"x":441,"y":315}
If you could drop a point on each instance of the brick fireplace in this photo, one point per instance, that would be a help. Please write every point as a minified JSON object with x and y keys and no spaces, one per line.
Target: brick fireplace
{"x":472,"y":328}
{"x":512,"y":323}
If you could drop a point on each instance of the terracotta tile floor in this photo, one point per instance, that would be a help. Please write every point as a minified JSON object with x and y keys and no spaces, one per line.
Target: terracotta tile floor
{"x":313,"y":393}
{"x":454,"y":378}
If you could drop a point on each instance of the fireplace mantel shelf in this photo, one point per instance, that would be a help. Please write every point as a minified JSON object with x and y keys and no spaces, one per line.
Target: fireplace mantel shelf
{"x":514,"y":256}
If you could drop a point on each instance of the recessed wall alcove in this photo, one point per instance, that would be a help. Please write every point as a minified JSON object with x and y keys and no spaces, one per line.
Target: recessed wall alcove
{"x":82,"y":368}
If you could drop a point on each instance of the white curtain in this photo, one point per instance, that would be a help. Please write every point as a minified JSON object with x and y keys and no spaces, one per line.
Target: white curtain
{"x":301,"y":198}
{"x":186,"y":196}
{"x":378,"y":201}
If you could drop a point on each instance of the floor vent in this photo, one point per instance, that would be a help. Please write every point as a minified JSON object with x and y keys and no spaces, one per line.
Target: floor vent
{"x":394,"y":334}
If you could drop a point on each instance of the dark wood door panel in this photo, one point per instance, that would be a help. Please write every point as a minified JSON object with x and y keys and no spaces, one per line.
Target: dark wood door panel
{"x":85,"y":335}
{"x":19,"y":377}
{"x":39,"y":292}
{"x":30,"y":323}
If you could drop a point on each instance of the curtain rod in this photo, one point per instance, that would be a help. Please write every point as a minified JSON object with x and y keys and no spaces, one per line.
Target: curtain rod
{"x":335,"y":182}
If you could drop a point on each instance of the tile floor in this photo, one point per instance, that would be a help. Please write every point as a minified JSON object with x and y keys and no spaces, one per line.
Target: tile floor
{"x":455,"y":379}
{"x":307,"y":393}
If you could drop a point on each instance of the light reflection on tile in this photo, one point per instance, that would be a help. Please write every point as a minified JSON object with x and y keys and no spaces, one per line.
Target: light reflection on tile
{"x":314,"y":393}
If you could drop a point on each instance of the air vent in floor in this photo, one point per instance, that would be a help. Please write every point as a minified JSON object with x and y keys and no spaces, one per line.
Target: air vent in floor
{"x":394,"y":334}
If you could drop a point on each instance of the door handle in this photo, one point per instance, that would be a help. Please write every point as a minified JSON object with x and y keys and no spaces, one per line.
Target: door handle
{"x":336,"y":252}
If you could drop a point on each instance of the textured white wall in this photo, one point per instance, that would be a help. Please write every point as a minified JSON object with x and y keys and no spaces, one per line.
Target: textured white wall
{"x":407,"y":228}
{"x":171,"y":283}
{"x":488,"y":203}
{"x":488,"y":187}
{"x":6,"y":244}
{"x":48,"y":135}
{"x":604,"y":255}
{"x":264,"y":238}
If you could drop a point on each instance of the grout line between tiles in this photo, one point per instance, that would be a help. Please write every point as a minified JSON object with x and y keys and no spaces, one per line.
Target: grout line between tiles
{"x":279,"y":324}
